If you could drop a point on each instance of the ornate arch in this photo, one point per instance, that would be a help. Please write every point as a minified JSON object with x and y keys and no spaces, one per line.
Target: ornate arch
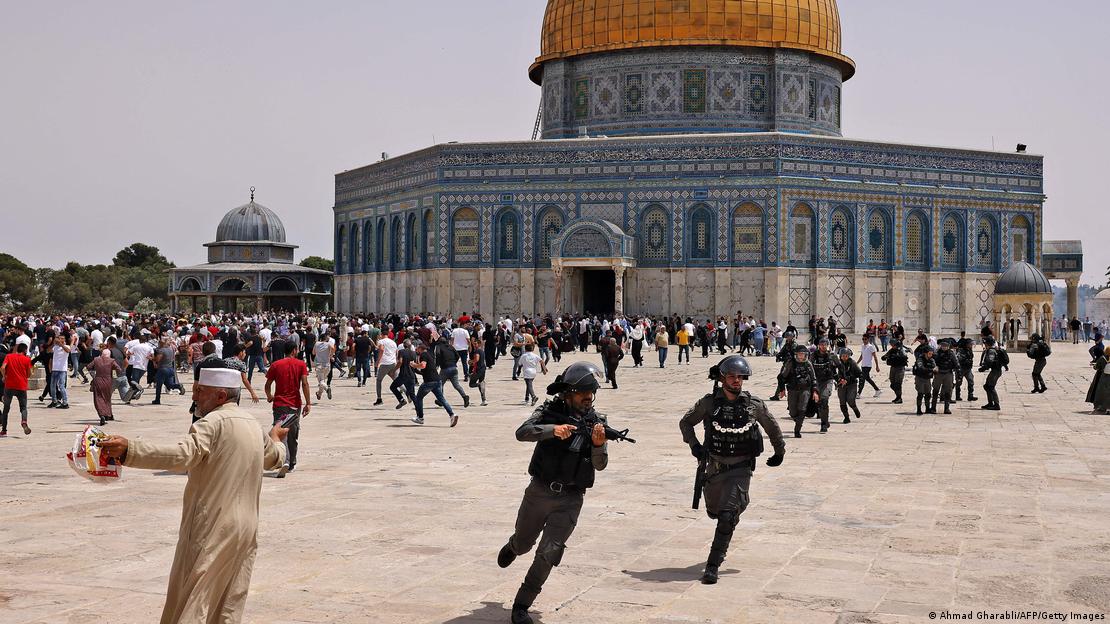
{"x":276,"y":281}
{"x":655,"y":235}
{"x":465,"y":237}
{"x":842,"y":237}
{"x":380,"y":246}
{"x":701,"y":240}
{"x":986,"y":242}
{"x":396,"y":244}
{"x":353,"y":250}
{"x":918,"y":243}
{"x":508,"y":236}
{"x":1021,"y":239}
{"x":368,"y":246}
{"x":747,"y":234}
{"x":341,"y":252}
{"x":802,"y":235}
{"x":551,"y":222}
{"x":877,"y":237}
{"x":585,"y":239}
{"x":952,"y":242}
{"x":412,"y":249}
{"x":185,"y":282}
{"x":427,"y":251}
{"x":228,"y":279}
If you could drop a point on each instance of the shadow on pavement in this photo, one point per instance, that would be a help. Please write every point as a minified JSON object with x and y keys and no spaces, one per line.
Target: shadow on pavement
{"x":672,"y":575}
{"x":489,"y":612}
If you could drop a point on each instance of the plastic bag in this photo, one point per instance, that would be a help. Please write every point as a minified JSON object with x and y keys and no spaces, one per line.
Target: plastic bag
{"x":88,"y":460}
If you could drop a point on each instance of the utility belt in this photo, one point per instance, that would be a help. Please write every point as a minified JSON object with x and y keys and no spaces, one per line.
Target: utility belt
{"x":714,"y":467}
{"x":559,"y":488}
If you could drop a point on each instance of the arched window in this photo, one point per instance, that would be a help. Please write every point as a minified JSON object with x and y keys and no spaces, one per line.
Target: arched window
{"x":396,"y":245}
{"x":878,"y":249}
{"x":917,"y":245}
{"x":190,"y":285}
{"x":551,"y":223}
{"x":841,"y":237}
{"x":380,"y":246}
{"x":413,"y":250}
{"x":984,"y":244}
{"x":801,"y":234}
{"x":341,"y":257}
{"x":701,"y":233}
{"x":428,"y":250}
{"x":352,"y":259}
{"x":1019,"y":239}
{"x":464,"y":236}
{"x":952,"y":242}
{"x":368,"y":246}
{"x":508,"y":236}
{"x":654,"y":235}
{"x":747,"y":234}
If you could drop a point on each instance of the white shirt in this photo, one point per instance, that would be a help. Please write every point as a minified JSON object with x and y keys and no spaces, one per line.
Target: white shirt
{"x":389,"y":351}
{"x":60,"y":362}
{"x":460,"y":339}
{"x":265,"y":334}
{"x":582,"y":325}
{"x":867,"y":355}
{"x":141,"y":353}
{"x":219,"y":347}
{"x":24,"y":339}
{"x":508,"y":325}
{"x":97,"y":338}
{"x":530,"y":364}
{"x":689,"y":327}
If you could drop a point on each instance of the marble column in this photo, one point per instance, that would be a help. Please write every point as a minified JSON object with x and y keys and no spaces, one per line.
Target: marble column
{"x":1073,"y":298}
{"x":557,"y":271}
{"x":618,"y":289}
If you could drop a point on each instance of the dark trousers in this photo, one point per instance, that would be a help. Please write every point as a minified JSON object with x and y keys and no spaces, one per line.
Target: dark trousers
{"x":826,"y":389}
{"x":637,"y":357}
{"x":796,"y":403}
{"x":408,"y":383}
{"x":452,"y":375}
{"x":552,"y":515}
{"x":255,"y":361}
{"x":164,"y":377}
{"x":865,"y":378}
{"x":897,"y":377}
{"x":21,"y":398}
{"x":967,"y":374}
{"x":583,"y":342}
{"x":461,"y":356}
{"x":294,"y":432}
{"x":942,"y":388}
{"x":436,"y":389}
{"x":847,"y":395}
{"x":363,"y":368}
{"x":705,"y":348}
{"x":992,"y":381}
{"x":726,"y":497}
{"x":1038,"y":368}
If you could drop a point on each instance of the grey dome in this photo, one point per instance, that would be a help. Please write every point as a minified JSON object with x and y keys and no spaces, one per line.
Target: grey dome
{"x":1022,"y":278}
{"x":251,"y":222}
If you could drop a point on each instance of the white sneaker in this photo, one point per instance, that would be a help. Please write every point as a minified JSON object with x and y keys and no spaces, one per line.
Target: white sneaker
{"x":419,"y":421}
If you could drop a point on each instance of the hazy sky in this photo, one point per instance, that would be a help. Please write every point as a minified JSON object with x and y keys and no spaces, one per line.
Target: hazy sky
{"x":147,"y":121}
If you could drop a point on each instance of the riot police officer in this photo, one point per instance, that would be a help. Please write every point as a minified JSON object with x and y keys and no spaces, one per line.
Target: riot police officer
{"x":785,"y":354}
{"x":966,"y":357}
{"x":827,"y":369}
{"x":993,"y":360}
{"x":923,"y":371}
{"x":798,"y":381}
{"x":897,"y":360}
{"x":562,"y":469}
{"x":848,"y":389}
{"x":947,"y":364}
{"x":1038,"y":350}
{"x":731,"y":419}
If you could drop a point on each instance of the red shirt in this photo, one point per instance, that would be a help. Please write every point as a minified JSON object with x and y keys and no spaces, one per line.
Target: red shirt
{"x":17,"y":371}
{"x":287,"y":374}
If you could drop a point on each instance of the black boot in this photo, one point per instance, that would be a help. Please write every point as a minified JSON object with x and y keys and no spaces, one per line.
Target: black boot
{"x":947,"y":409}
{"x":919,"y":412}
{"x":958,"y":397}
{"x":710,"y":575}
{"x":856,"y":409}
{"x":506,"y":557}
{"x":846,"y":419}
{"x":972,"y":397}
{"x":520,"y":615}
{"x":797,"y":429}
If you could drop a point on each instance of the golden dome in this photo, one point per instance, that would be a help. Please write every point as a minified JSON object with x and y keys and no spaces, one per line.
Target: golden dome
{"x":575,"y":27}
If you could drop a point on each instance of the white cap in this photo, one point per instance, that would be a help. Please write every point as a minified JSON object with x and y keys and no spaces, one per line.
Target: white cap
{"x":220,"y":378}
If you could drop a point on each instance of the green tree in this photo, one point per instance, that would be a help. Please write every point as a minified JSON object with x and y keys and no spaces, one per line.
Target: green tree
{"x":20,"y":288}
{"x":139,"y":255}
{"x":317,"y":262}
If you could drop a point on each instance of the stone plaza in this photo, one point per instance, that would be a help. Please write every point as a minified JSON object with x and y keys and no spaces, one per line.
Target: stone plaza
{"x":883,"y":520}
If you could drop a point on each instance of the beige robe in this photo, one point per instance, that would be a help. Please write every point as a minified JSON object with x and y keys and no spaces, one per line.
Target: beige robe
{"x":224,"y":454}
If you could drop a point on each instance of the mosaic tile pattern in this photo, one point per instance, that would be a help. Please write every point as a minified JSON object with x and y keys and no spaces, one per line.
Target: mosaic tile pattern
{"x":801,"y":234}
{"x":634,"y":94}
{"x":465,"y":246}
{"x":508,"y":235}
{"x":841,"y":289}
{"x":586,"y":243}
{"x":581,"y":98}
{"x":757,"y":93}
{"x":950,"y":243}
{"x":654,"y":236}
{"x":840,"y":237}
{"x":550,"y":224}
{"x":1019,"y":238}
{"x":915,"y":248}
{"x":693,"y":91}
{"x":701,"y":234}
{"x":984,"y":243}
{"x":878,"y":251}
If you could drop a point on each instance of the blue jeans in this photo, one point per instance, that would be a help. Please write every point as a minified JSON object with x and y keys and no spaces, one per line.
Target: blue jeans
{"x":163,"y":377}
{"x":662,"y":355}
{"x":255,"y":360}
{"x":436,"y":388}
{"x":58,"y":392}
{"x":363,"y":369}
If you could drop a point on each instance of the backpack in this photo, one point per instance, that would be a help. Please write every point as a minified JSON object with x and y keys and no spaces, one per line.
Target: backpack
{"x":1003,"y":358}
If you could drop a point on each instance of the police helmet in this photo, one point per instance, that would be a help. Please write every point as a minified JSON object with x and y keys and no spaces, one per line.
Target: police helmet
{"x":801,"y":349}
{"x":945,"y":342}
{"x":1035,"y":337}
{"x":988,"y":340}
{"x":732,"y":365}
{"x":578,"y":377}
{"x":822,"y":341}
{"x":788,"y":334}
{"x":846,"y":351}
{"x":927,"y":349}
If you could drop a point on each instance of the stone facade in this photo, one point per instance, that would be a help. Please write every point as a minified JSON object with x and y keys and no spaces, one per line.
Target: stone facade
{"x":776,"y":225}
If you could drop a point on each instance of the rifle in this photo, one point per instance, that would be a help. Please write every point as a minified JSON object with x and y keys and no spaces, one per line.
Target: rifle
{"x":699,"y":480}
{"x":585,"y":428}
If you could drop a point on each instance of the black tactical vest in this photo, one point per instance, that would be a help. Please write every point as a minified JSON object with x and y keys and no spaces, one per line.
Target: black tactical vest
{"x":824,"y":366}
{"x":731,"y":431}
{"x":897,"y":357}
{"x":556,"y":460}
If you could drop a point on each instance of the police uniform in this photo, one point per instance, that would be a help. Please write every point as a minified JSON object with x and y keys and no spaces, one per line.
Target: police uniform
{"x":785,"y":354}
{"x":897,"y":360}
{"x":966,"y":357}
{"x":943,"y":380}
{"x":993,"y":360}
{"x":923,"y":371}
{"x":800,"y":382}
{"x":848,"y":391}
{"x":733,"y":441}
{"x":826,"y":368}
{"x":1038,"y":350}
{"x":561,"y":471}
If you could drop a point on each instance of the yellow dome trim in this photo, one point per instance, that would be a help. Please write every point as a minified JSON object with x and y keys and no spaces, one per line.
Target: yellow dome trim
{"x":576,"y":27}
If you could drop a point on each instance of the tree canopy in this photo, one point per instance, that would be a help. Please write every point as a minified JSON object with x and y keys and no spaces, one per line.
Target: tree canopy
{"x":316,"y":262}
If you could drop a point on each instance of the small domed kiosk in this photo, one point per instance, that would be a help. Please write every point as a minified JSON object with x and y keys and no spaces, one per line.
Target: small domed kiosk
{"x":250,"y":268}
{"x":1022,"y":304}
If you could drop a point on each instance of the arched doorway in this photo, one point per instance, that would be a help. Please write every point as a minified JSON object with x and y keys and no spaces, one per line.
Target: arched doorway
{"x":284,"y":295}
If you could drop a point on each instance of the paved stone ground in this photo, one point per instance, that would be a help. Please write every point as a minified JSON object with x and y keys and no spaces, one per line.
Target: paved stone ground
{"x":882,"y":520}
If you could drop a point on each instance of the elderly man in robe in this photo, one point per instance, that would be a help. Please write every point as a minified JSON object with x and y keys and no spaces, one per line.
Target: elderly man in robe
{"x":224,"y":454}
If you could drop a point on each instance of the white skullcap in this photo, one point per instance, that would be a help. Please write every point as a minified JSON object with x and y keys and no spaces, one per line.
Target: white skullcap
{"x":220,"y":378}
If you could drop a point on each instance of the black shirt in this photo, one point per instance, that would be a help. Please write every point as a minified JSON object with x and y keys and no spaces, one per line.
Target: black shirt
{"x":362,"y":346}
{"x":405,"y":357}
{"x":429,"y":371}
{"x":255,"y":350}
